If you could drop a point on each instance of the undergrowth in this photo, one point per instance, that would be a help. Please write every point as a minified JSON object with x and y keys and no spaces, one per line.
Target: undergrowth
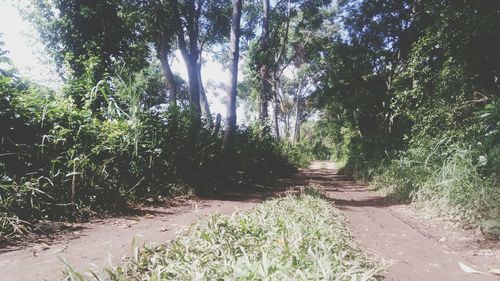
{"x":445,"y":179}
{"x":61,"y":162}
{"x":292,"y":238}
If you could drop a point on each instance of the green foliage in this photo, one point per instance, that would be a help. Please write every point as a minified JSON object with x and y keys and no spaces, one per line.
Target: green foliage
{"x":443,"y":178}
{"x":410,"y":101}
{"x":299,"y":155}
{"x":292,"y":238}
{"x":87,"y":39}
{"x":58,"y":161}
{"x":489,"y":117}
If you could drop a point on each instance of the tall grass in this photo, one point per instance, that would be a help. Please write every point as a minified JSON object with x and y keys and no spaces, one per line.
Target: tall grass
{"x":61,"y":162}
{"x":445,"y":179}
{"x":292,"y":238}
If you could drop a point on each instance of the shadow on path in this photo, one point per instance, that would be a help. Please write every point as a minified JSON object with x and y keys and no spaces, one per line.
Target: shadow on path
{"x":411,"y":254}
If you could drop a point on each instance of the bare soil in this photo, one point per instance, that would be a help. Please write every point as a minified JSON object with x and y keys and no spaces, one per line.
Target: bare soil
{"x":413,"y":247}
{"x":103,"y":242}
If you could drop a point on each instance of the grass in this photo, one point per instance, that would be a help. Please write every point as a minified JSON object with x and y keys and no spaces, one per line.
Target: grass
{"x":298,"y":237}
{"x":440,"y":183}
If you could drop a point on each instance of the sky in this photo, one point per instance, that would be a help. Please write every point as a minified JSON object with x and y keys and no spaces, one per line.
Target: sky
{"x":25,"y":51}
{"x":28,"y":56}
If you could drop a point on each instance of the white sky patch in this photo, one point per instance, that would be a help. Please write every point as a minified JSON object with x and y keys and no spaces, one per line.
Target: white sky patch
{"x":24,"y":47}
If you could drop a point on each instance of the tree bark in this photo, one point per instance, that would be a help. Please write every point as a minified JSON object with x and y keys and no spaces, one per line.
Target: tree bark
{"x":169,"y":76}
{"x":233,"y":75}
{"x":264,"y":71}
{"x":205,"y":107}
{"x":276,"y":110}
{"x":296,"y":133}
{"x":190,"y":52}
{"x":194,"y":84}
{"x":217,"y":124}
{"x":163,"y":49}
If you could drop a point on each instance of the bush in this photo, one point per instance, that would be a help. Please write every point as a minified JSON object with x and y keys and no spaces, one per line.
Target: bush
{"x":445,"y":178}
{"x":58,"y":161}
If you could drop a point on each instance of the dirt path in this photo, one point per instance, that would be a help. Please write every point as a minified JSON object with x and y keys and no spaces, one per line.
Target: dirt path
{"x":102,"y":243}
{"x":416,"y":248}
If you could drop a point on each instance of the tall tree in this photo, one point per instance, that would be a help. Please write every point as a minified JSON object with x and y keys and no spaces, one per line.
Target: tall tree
{"x":90,"y":37}
{"x":233,"y":74}
{"x":199,"y":23}
{"x":263,"y":64}
{"x":164,"y":36}
{"x":275,"y":51}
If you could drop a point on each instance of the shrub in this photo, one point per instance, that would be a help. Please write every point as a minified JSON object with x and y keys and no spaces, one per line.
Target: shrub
{"x":58,"y":161}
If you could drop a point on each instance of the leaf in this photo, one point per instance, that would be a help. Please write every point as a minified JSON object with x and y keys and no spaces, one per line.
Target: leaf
{"x":469,"y":269}
{"x":483,"y":161}
{"x":73,"y":174}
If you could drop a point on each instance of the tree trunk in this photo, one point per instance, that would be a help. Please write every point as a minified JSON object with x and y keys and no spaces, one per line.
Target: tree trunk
{"x":264,"y":76}
{"x":217,"y":124}
{"x":205,"y":107}
{"x":169,"y":76}
{"x":164,"y":50}
{"x":233,"y":75}
{"x":287,"y":126}
{"x":190,"y":53}
{"x":296,"y":133}
{"x":194,"y":84}
{"x":276,"y":110}
{"x":264,"y":94}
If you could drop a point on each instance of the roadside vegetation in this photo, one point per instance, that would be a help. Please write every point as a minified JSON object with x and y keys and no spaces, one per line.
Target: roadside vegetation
{"x":123,"y":127}
{"x":59,"y":162}
{"x":411,"y":104}
{"x":297,"y":237}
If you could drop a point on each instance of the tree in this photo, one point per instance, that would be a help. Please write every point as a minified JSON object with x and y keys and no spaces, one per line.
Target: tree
{"x":233,"y":76}
{"x":198,"y":23}
{"x":410,"y":71}
{"x":164,"y":35}
{"x":262,"y":64}
{"x":87,"y":39}
{"x":277,"y":46}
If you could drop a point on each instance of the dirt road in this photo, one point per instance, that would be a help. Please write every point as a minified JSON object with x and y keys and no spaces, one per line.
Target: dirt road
{"x":102,"y":243}
{"x":416,"y":248}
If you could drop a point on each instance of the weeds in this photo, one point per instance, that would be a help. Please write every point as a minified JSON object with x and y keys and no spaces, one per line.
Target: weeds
{"x":60,"y":162}
{"x":444,"y":179}
{"x":292,"y":238}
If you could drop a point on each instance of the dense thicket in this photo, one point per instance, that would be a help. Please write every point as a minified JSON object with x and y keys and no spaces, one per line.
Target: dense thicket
{"x":116,"y":133}
{"x":410,"y":99}
{"x":58,"y":161}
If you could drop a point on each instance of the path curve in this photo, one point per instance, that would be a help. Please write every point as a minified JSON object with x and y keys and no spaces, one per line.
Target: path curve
{"x":379,"y":230}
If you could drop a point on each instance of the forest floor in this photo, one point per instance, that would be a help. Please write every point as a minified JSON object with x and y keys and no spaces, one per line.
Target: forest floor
{"x":413,"y":246}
